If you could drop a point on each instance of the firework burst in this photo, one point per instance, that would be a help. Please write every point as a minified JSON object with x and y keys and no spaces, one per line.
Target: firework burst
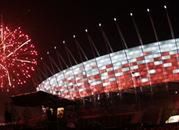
{"x":17,"y":57}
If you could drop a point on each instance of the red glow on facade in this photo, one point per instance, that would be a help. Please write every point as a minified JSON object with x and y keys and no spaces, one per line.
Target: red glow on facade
{"x":149,"y":65}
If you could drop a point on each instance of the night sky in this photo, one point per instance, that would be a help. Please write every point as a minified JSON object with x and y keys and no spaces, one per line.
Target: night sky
{"x":49,"y":22}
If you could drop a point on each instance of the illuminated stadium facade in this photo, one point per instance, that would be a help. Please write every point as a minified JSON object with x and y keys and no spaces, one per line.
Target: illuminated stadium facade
{"x":140,"y":66}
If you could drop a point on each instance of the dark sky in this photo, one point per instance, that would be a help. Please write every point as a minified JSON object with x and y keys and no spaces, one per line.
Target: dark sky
{"x":49,"y":22}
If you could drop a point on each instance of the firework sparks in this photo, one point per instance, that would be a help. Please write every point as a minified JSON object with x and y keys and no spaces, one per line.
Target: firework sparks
{"x":17,"y":57}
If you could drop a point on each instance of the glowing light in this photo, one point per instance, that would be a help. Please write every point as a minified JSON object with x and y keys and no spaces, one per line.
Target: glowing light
{"x":172,"y":119}
{"x":176,"y":92}
{"x":17,"y":54}
{"x":148,"y":10}
{"x":115,"y":19}
{"x":74,"y":36}
{"x":165,"y":7}
{"x":131,"y":14}
{"x":99,"y":24}
{"x":86,"y":30}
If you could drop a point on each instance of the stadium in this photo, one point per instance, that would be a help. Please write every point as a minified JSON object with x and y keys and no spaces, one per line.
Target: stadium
{"x":140,"y":66}
{"x":134,"y":87}
{"x":129,"y":83}
{"x":89,"y":65}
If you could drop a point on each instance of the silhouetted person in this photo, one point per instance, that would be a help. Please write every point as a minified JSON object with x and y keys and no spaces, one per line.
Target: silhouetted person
{"x":7,"y":114}
{"x":49,"y":114}
{"x":50,"y":119}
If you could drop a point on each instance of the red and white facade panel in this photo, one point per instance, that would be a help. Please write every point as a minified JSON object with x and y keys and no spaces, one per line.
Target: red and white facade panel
{"x":135,"y":67}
